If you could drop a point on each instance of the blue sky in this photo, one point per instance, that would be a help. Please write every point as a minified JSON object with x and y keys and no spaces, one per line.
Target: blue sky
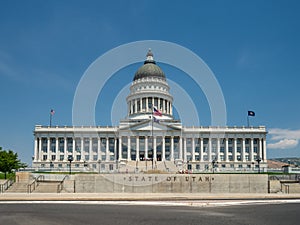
{"x":251,"y":46}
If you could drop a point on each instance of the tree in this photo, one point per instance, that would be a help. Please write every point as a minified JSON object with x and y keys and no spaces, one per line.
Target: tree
{"x":9,"y":161}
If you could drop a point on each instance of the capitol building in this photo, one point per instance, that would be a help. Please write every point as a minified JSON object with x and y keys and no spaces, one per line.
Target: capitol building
{"x":150,"y":138}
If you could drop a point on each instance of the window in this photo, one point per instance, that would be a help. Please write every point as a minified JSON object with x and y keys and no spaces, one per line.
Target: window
{"x":61,"y":158}
{"x":78,"y":157}
{"x":44,"y":157}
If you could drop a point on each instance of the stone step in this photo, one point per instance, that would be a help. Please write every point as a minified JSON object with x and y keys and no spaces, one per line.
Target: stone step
{"x":18,"y":187}
{"x":47,"y":187}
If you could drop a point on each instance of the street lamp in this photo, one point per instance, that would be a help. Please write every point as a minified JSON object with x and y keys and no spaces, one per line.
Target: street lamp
{"x":258,"y":160}
{"x":51,"y":165}
{"x":99,"y":161}
{"x":214,"y":162}
{"x":70,"y":159}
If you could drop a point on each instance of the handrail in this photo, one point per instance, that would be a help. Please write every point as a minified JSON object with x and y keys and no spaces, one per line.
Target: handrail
{"x":6,"y":184}
{"x":31,"y":187}
{"x":60,"y":186}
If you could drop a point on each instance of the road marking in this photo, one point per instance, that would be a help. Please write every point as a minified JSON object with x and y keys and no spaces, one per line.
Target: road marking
{"x":212,"y":203}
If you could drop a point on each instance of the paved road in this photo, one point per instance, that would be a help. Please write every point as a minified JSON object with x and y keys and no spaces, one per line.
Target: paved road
{"x":89,"y":214}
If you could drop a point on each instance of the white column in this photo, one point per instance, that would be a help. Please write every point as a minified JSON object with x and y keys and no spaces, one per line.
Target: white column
{"x":135,"y":103}
{"x":137,"y":148}
{"x":73,"y":149}
{"x":163,"y":149}
{"x":226,"y":149}
{"x":184,"y":150}
{"x":120,"y":148}
{"x":218,"y":149}
{"x":36,"y":151}
{"x":234,"y":150}
{"x":146,"y":147}
{"x":164,"y":106}
{"x":107,"y":158}
{"x":82,"y":146}
{"x":131,"y":106}
{"x":65,"y":149}
{"x":243,"y":150}
{"x":115,"y":149}
{"x":172,"y":149}
{"x":201,"y":149}
{"x":264,"y":157}
{"x":40,"y":157}
{"x":56,"y":150}
{"x":171,"y":109}
{"x":180,"y":148}
{"x":48,"y":149}
{"x":260,"y":148}
{"x":147,"y":105}
{"x":99,"y":148}
{"x":209,"y":149}
{"x":154,"y":149}
{"x":193,"y":149}
{"x":90,"y":149}
{"x":128,"y":149}
{"x":167,"y":107}
{"x":251,"y":150}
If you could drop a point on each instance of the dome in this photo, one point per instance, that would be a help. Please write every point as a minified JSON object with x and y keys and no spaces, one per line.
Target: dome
{"x":149,"y":69}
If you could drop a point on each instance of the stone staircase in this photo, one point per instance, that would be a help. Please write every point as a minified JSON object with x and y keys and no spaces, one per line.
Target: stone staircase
{"x":18,"y":187}
{"x":47,"y":187}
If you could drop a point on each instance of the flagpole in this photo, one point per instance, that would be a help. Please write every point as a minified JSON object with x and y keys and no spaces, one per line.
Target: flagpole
{"x":50,"y":119}
{"x":248,"y":120}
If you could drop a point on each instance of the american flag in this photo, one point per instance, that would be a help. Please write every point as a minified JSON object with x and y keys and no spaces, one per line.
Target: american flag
{"x":157,"y":112}
{"x":52,"y":112}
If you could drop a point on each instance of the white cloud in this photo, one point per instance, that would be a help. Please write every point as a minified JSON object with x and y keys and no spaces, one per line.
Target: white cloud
{"x":283,"y":144}
{"x":283,"y":138}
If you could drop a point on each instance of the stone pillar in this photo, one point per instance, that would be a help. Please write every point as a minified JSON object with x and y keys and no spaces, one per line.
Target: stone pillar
{"x":36,"y":150}
{"x":209,"y":149}
{"x":131,"y":106}
{"x":226,"y":149}
{"x":264,"y":155}
{"x":234,"y":150}
{"x":146,"y":147}
{"x":48,"y":149}
{"x":184,"y":150}
{"x":137,"y":148}
{"x":65,"y":149}
{"x":172,"y":149}
{"x":99,"y":148}
{"x":120,"y":148}
{"x":128,"y":149}
{"x":180,"y":148}
{"x":218,"y":149}
{"x":56,"y":150}
{"x":73,"y":148}
{"x":40,"y":157}
{"x":90,"y":149}
{"x":201,"y":149}
{"x":171,"y":109}
{"x":115,"y":148}
{"x":164,"y":106}
{"x":147,"y":105}
{"x":243,"y":150}
{"x":163,"y":149}
{"x":193,"y":149}
{"x":107,"y":150}
{"x":251,"y":150}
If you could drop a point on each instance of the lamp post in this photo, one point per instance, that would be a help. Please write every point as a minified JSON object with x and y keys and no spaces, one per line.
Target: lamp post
{"x":99,"y":162}
{"x":214,"y":162}
{"x":70,"y":159}
{"x":258,"y":160}
{"x":51,"y":165}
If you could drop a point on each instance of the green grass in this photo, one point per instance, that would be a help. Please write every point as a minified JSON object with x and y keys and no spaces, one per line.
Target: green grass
{"x":9,"y":175}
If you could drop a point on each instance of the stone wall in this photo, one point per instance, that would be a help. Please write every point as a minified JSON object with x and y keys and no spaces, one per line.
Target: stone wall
{"x":171,"y":183}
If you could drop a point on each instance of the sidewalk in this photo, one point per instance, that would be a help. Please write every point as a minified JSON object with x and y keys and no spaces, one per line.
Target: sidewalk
{"x":140,"y":196}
